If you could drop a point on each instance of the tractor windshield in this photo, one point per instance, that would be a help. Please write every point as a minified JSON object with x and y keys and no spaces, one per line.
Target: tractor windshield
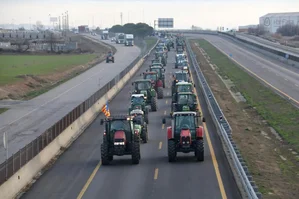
{"x":184,"y":122}
{"x":186,"y":99}
{"x":143,"y":85}
{"x":137,"y":100}
{"x":120,"y":125}
{"x":151,"y":76}
{"x":156,"y":69}
{"x":184,"y":88}
{"x":181,"y":77}
{"x":138,"y":119}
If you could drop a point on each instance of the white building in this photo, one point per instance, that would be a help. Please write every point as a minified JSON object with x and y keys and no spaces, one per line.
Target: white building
{"x":273,"y":21}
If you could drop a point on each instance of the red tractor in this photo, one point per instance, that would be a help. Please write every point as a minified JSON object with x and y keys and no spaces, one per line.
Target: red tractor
{"x":185,"y":135}
{"x":156,"y":82}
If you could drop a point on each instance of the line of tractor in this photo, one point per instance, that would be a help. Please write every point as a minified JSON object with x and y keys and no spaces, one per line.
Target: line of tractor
{"x":124,"y":133}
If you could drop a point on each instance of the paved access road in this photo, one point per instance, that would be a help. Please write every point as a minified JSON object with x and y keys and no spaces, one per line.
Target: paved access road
{"x":27,"y":120}
{"x":282,"y":76}
{"x":153,"y":178}
{"x":259,"y":40}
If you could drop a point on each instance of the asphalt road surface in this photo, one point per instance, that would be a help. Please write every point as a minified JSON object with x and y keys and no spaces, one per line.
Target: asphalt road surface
{"x":265,"y":42}
{"x":282,"y":76}
{"x":27,"y":120}
{"x":78,"y":170}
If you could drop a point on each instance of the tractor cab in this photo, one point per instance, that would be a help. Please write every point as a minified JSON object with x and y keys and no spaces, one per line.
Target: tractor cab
{"x":160,"y":71}
{"x":184,"y":101}
{"x":181,"y":63}
{"x":120,"y":139}
{"x":185,"y":135}
{"x":140,"y":124}
{"x":182,"y":87}
{"x":138,"y":102}
{"x":156,"y":82}
{"x":180,"y":76}
{"x":145,"y":87}
{"x":156,"y":61}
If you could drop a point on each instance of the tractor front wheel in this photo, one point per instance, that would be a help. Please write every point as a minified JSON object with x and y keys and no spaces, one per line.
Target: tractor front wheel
{"x":154,"y":104}
{"x":160,"y":93}
{"x":144,"y":135}
{"x":199,"y":150}
{"x":146,"y":117}
{"x":171,"y":151}
{"x":135,"y":152}
{"x":105,"y":154}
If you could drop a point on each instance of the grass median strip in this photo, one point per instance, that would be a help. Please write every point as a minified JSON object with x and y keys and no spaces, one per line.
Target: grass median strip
{"x":150,"y":42}
{"x":272,"y":161}
{"x":2,"y":110}
{"x":279,"y":113}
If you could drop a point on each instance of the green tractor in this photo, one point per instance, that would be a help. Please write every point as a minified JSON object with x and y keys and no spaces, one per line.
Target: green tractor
{"x":184,"y":101}
{"x":140,"y":124}
{"x":160,"y":72}
{"x":162,"y":57}
{"x":180,"y":76}
{"x":156,"y":61}
{"x":120,"y":139}
{"x":144,"y":86}
{"x":182,"y":87}
{"x":138,"y":102}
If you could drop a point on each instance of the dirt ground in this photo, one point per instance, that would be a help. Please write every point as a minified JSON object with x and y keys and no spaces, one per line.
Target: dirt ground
{"x":271,"y":162}
{"x":32,"y":86}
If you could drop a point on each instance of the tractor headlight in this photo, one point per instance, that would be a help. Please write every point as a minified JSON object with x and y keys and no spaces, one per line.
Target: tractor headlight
{"x":145,"y":97}
{"x":119,"y":143}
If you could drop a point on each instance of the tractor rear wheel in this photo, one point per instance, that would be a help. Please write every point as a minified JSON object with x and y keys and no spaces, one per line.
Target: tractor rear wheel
{"x":163,"y":83}
{"x":154,"y":104}
{"x":105,"y":153}
{"x":160,"y":93}
{"x":144,"y":135}
{"x":135,"y":152}
{"x":199,"y":150}
{"x":146,"y":117}
{"x":171,"y":151}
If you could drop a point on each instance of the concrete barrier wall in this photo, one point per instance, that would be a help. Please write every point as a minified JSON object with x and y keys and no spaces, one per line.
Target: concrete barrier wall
{"x":26,"y":174}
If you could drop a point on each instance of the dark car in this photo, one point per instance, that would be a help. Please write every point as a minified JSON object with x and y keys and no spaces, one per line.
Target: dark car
{"x":110,"y":57}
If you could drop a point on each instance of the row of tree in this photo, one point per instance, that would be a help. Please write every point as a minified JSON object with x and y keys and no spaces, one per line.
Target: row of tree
{"x":288,"y":30}
{"x":139,"y":30}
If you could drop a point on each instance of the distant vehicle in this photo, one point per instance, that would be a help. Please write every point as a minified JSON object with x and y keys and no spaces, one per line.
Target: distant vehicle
{"x":129,"y":40}
{"x":120,"y":38}
{"x":105,"y":35}
{"x":113,"y":39}
{"x":110,"y":57}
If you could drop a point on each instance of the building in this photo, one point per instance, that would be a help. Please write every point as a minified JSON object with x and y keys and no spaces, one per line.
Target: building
{"x":273,"y":21}
{"x":83,"y":29}
{"x":245,"y":28}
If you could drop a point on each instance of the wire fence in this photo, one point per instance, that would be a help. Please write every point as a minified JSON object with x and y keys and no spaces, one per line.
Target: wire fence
{"x":23,"y":156}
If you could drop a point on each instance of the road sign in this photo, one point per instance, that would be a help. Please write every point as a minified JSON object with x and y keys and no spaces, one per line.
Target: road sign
{"x":165,"y":23}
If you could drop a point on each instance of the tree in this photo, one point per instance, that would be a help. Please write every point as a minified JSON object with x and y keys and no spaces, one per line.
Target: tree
{"x":288,"y":30}
{"x":138,"y":30}
{"x":39,"y":25}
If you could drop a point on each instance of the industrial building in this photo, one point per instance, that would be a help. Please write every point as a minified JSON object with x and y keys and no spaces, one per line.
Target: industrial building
{"x":273,"y":21}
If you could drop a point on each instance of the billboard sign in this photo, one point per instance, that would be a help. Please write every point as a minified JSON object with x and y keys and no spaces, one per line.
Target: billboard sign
{"x":53,"y":19}
{"x":165,"y":23}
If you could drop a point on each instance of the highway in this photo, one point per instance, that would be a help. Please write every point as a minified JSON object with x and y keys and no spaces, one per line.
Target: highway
{"x":79,"y":174}
{"x":27,"y":120}
{"x":265,"y":42}
{"x":283,"y":77}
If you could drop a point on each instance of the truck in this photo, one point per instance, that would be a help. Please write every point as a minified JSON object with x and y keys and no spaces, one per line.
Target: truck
{"x":129,"y":40}
{"x":120,"y":38}
{"x":105,"y":35}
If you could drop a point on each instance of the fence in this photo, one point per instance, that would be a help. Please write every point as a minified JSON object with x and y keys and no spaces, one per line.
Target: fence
{"x":225,"y":133}
{"x":19,"y":159}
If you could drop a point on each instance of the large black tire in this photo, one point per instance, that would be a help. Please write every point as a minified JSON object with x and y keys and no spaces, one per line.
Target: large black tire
{"x":199,"y":150}
{"x":146,"y":117}
{"x":105,"y":154}
{"x":144,"y":135}
{"x":163,"y":83}
{"x":171,"y":151}
{"x":160,"y":93}
{"x":107,"y":61}
{"x":154,"y":104}
{"x":135,"y":152}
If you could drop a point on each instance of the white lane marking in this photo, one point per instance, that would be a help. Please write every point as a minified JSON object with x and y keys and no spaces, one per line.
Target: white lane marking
{"x":297,"y":85}
{"x":286,"y":79}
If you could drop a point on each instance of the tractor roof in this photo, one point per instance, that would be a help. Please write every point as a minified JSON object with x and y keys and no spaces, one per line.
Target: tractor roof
{"x":183,"y":83}
{"x":137,"y":95}
{"x":184,"y":113}
{"x":142,"y":80}
{"x":118,"y":117}
{"x":151,"y":72}
{"x":156,"y":66}
{"x":186,"y":93}
{"x":181,"y":71}
{"x":137,"y":111}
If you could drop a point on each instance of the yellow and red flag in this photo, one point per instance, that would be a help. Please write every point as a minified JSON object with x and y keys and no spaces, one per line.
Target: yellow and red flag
{"x":106,"y":110}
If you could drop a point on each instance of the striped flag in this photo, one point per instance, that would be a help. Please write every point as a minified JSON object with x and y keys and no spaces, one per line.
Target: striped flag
{"x":106,"y":110}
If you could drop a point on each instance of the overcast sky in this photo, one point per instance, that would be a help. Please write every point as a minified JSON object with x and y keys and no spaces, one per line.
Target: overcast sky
{"x":105,"y":13}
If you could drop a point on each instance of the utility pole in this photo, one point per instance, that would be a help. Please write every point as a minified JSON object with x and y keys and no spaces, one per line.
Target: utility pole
{"x":128,"y":17}
{"x":59,"y":26}
{"x":121,"y":18}
{"x":143,"y":15}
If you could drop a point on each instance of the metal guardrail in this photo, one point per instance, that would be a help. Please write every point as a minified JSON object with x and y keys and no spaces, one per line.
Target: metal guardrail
{"x":23,"y":156}
{"x":225,"y":132}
